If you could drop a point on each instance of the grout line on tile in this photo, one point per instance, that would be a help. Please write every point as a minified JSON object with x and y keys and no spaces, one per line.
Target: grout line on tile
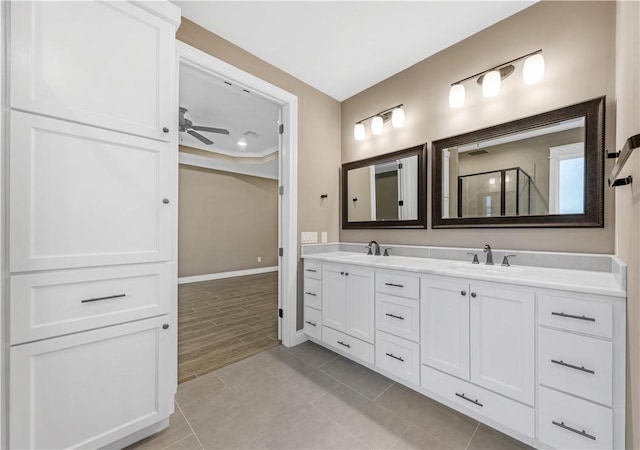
{"x":190,"y":427}
{"x":339,"y":425}
{"x":401,"y":434}
{"x":388,"y":387}
{"x":472,"y":436}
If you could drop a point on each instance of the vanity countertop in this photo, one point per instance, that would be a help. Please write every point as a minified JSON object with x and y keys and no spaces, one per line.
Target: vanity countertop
{"x":587,"y":281}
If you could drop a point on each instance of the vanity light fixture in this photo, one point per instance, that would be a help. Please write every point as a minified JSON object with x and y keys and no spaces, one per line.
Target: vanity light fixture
{"x":491,"y":79}
{"x":396,"y":114}
{"x":242,"y":143}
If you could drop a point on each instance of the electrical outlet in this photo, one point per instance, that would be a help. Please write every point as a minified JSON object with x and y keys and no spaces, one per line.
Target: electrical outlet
{"x":309,"y":237}
{"x":324,"y":236}
{"x":259,"y":258}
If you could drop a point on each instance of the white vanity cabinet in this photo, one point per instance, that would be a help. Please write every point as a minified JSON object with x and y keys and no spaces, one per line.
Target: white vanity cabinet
{"x":92,"y":208}
{"x":313,"y":299}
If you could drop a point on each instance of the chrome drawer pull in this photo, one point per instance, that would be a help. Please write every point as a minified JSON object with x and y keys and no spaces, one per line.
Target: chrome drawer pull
{"x":391,"y":355}
{"x":310,"y":323}
{"x":97,"y":299}
{"x":571,"y":316}
{"x":571,"y":366}
{"x":475,"y":402}
{"x":394,"y":316}
{"x":394,"y":285}
{"x":342,"y":343}
{"x":310,"y":293}
{"x":581,"y":433}
{"x":311,"y":270}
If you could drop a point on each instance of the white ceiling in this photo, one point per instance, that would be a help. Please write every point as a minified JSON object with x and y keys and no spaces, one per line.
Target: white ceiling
{"x":344,"y":47}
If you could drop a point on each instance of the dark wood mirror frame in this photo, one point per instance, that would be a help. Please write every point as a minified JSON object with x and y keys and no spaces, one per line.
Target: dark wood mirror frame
{"x":420,"y":222}
{"x":594,"y":112}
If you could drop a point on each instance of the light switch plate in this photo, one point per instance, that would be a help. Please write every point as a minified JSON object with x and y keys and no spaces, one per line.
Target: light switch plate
{"x":309,"y":237}
{"x":324,"y":237}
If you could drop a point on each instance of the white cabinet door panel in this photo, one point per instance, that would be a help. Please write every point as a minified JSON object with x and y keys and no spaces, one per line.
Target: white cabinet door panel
{"x":359,"y":307}
{"x":90,"y":389}
{"x":503,"y":341}
{"x":107,"y":64}
{"x":333,"y":297}
{"x":82,"y":196}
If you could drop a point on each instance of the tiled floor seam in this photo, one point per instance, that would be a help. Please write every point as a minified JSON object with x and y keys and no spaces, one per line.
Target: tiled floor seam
{"x":340,"y":425}
{"x":190,"y":427}
{"x":472,"y":436}
{"x":401,"y":434}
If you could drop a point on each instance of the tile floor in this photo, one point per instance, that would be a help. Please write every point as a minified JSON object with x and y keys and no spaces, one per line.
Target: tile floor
{"x":308,"y":397}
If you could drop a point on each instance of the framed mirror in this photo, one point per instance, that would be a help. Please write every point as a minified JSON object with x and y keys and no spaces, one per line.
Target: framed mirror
{"x":387,"y":191}
{"x":542,"y":171}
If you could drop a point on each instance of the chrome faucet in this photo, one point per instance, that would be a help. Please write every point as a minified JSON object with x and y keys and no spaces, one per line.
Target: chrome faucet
{"x":487,"y":250}
{"x":375,"y":246}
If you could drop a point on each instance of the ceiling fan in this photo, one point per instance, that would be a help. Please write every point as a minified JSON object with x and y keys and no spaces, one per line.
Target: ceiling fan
{"x":188,"y":126}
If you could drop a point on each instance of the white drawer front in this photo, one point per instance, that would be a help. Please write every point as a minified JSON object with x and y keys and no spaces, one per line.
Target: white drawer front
{"x":398,"y":356}
{"x":313,"y":293}
{"x":570,"y":423}
{"x":348,"y":345}
{"x":576,"y":364}
{"x":397,"y":283}
{"x":575,"y":314}
{"x":496,"y":407}
{"x":398,"y":316}
{"x":55,"y":303}
{"x":313,"y":269}
{"x":313,"y":322}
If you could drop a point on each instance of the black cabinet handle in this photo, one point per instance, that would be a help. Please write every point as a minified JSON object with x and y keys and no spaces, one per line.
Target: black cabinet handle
{"x":573,"y":430}
{"x":394,"y":285}
{"x":391,"y":355}
{"x":341,"y":273}
{"x":165,"y":201}
{"x":310,"y":293}
{"x":571,"y":366}
{"x":165,"y":129}
{"x":165,"y":326}
{"x":97,"y":299}
{"x":311,"y":270}
{"x":475,"y":402}
{"x":571,"y":316}
{"x":463,"y":293}
{"x":394,"y":316}
{"x":473,"y":294}
{"x":342,"y":343}
{"x":310,"y":323}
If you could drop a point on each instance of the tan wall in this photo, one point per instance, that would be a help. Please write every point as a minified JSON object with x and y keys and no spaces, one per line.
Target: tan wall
{"x":360,"y":188}
{"x":628,"y":199}
{"x":318,"y":134}
{"x":578,"y":42}
{"x":225,"y":221}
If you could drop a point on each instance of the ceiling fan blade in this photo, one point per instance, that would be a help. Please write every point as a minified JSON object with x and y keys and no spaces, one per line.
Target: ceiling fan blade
{"x":200,"y":137}
{"x":210,"y":129}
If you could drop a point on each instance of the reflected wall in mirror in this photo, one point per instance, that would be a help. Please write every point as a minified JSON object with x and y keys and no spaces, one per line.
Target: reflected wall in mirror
{"x":386,"y":191}
{"x":544,"y":170}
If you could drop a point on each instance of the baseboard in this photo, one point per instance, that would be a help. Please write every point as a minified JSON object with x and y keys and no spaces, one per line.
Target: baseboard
{"x":221,"y":275}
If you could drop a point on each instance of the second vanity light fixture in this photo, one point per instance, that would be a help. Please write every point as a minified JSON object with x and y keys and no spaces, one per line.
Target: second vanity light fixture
{"x":490,"y":79}
{"x":396,"y":114}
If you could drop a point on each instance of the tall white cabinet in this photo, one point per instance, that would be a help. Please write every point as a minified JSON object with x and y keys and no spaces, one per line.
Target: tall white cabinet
{"x":92,"y":221}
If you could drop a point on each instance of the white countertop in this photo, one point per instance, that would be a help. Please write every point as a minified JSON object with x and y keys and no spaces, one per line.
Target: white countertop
{"x":592,"y":282}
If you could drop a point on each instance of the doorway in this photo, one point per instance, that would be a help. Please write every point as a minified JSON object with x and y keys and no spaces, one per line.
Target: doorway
{"x":285,"y":182}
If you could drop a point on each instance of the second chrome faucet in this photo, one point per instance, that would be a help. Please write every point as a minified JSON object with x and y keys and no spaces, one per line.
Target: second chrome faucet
{"x":487,"y":250}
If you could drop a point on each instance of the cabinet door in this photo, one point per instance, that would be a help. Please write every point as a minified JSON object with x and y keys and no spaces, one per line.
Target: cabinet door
{"x":333,"y":296}
{"x":445,"y":326}
{"x":502,"y":341}
{"x":82,"y":196}
{"x":90,"y":389}
{"x":108,"y":64}
{"x":359,"y":291}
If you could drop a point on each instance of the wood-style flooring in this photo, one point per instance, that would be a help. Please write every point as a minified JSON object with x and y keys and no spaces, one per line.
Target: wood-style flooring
{"x":223,"y":321}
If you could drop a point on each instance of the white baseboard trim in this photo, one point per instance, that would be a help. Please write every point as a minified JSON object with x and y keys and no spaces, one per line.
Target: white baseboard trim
{"x":221,"y":275}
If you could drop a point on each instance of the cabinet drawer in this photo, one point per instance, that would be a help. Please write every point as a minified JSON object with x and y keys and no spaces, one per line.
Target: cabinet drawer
{"x":313,"y":322}
{"x":575,"y":314}
{"x":396,"y":283}
{"x":55,"y":303}
{"x":576,"y":364}
{"x":398,"y":316}
{"x":496,"y":407}
{"x":312,"y":293}
{"x":568,"y":422}
{"x":398,"y":356}
{"x":313,"y":269}
{"x":348,"y":345}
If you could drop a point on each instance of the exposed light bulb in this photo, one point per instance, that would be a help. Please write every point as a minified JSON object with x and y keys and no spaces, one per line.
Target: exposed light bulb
{"x":456,"y":96}
{"x":359,"y":132}
{"x":397,"y":118}
{"x":533,"y":70}
{"x":492,"y":181}
{"x":376,"y":125}
{"x":491,"y":83}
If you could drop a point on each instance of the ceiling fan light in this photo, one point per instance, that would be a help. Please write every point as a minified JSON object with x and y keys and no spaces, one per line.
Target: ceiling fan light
{"x":376,"y":125}
{"x":359,"y":132}
{"x":491,"y":83}
{"x":456,"y":96}
{"x":533,"y":70}
{"x":397,"y":118}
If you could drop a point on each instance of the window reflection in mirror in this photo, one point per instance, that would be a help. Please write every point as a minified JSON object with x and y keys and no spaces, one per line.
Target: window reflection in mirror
{"x":535,"y":172}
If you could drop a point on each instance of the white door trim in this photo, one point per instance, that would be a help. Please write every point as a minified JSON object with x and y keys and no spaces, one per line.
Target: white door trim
{"x":288,"y":222}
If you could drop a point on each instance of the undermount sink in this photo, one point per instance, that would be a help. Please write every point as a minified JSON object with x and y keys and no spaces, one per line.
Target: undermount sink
{"x":483,"y":268}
